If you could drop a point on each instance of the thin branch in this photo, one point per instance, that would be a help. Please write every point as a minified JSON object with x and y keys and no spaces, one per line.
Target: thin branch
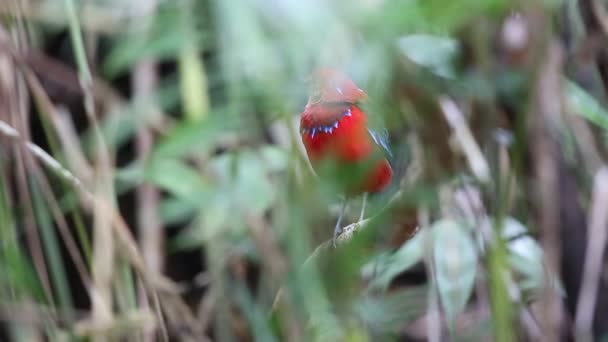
{"x":457,"y":122}
{"x":594,"y":256}
{"x":543,"y":118}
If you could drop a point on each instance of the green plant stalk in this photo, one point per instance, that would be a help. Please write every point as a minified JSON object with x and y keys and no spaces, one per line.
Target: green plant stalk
{"x":78,"y":44}
{"x":81,"y":231}
{"x":215,"y":251}
{"x":193,"y":85}
{"x":52,"y":250}
{"x":126,"y":296}
{"x":76,"y":215}
{"x":502,"y":310}
{"x":498,"y":262}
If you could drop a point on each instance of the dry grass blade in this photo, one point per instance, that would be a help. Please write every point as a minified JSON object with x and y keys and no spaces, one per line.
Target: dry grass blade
{"x":477,"y":162}
{"x":153,"y":281}
{"x":594,"y":256}
{"x":544,"y":118}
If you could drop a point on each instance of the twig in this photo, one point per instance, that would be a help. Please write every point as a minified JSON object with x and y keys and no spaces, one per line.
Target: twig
{"x":594,"y":256}
{"x":434,"y":321}
{"x":600,"y":15}
{"x":44,"y":157}
{"x":463,"y":134}
{"x":543,"y":122}
{"x":38,"y":314}
{"x":103,"y":239}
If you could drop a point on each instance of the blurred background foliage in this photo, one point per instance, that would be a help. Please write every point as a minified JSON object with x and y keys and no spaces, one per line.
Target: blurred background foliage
{"x":153,"y":185}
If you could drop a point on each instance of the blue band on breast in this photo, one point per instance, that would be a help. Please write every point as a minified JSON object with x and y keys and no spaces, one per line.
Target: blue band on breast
{"x":328,"y":129}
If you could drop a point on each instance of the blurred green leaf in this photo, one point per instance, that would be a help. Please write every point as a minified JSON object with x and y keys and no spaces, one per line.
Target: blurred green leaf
{"x":177,"y":178}
{"x":446,"y":16}
{"x":525,"y":253}
{"x":586,"y":105}
{"x":433,"y":52}
{"x":151,"y":38}
{"x":455,"y":260}
{"x":260,"y":326}
{"x":391,"y":311}
{"x":275,"y":158}
{"x":175,"y":210}
{"x":526,"y":257}
{"x":121,"y":124}
{"x":387,"y":267}
{"x":241,"y":186}
{"x":200,"y":137}
{"x":244,"y":176}
{"x":193,"y":82}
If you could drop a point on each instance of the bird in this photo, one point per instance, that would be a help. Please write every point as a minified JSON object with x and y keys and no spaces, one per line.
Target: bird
{"x":340,"y":144}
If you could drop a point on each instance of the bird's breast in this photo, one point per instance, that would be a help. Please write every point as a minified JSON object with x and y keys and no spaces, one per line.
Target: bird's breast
{"x":347,"y":143}
{"x":344,"y":139}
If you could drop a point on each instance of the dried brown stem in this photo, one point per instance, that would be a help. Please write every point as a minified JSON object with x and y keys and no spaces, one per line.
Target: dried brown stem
{"x":543,"y":121}
{"x":597,"y":235}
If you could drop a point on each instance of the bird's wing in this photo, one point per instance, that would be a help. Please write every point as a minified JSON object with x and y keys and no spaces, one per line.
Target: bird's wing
{"x":381,"y":139}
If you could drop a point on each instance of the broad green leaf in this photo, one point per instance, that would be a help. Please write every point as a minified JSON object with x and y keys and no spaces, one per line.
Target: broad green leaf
{"x":448,"y":16}
{"x":257,"y":318}
{"x":118,"y":126}
{"x":245,"y":177}
{"x":200,"y":137}
{"x":176,"y":177}
{"x":253,"y":190}
{"x":387,"y":312}
{"x":151,"y":38}
{"x":175,"y":210}
{"x":241,"y":186}
{"x":386,"y":267}
{"x":455,"y":260}
{"x":586,"y":105}
{"x":274,"y":158}
{"x":433,"y":52}
{"x":522,"y":245}
{"x":526,"y":257}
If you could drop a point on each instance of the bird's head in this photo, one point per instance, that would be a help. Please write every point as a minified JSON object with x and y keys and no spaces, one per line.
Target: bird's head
{"x":333,"y":86}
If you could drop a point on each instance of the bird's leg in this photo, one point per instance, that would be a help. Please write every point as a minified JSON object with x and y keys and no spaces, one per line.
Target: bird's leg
{"x":338,"y":228}
{"x":363,"y":205}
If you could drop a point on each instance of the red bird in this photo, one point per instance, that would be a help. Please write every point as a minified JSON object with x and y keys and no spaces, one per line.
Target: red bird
{"x":338,"y":141}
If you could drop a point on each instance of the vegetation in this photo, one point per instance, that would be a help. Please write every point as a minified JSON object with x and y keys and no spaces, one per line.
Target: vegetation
{"x":153,"y":184}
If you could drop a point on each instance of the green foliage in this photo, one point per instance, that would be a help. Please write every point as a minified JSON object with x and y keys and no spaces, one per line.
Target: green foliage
{"x":455,"y":265}
{"x":216,"y":139}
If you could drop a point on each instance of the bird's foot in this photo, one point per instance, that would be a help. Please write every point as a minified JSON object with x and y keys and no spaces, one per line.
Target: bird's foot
{"x":337,"y":232}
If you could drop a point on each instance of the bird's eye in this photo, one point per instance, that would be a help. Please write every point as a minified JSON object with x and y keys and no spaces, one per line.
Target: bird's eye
{"x":315,"y":95}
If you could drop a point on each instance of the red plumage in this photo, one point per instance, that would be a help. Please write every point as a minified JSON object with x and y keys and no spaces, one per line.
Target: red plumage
{"x":334,"y":128}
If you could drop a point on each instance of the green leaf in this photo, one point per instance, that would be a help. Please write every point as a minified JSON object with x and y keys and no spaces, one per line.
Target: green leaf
{"x":241,"y":186}
{"x":256,"y":317}
{"x":433,"y":52}
{"x":526,"y":257}
{"x":151,"y":39}
{"x":200,"y":137}
{"x":245,"y":177}
{"x":177,"y":178}
{"x":586,"y":105}
{"x":175,"y":210}
{"x":120,"y":124}
{"x":394,"y":310}
{"x":455,"y":260}
{"x":387,"y":267}
{"x":275,"y":158}
{"x":446,"y":16}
